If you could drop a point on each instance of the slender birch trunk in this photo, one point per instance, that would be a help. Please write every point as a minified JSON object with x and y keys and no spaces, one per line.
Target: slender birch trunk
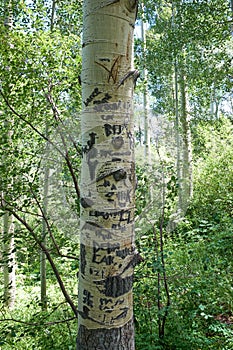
{"x":107,"y":255}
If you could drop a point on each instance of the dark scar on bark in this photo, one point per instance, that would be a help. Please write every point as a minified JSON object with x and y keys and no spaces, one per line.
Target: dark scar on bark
{"x":83,"y":258}
{"x":95,"y":93}
{"x":116,"y":286}
{"x":86,"y":202}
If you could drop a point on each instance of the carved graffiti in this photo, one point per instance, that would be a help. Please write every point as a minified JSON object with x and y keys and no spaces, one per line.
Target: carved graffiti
{"x":83,"y":258}
{"x":114,"y":129}
{"x":100,"y":232}
{"x":109,"y":304}
{"x":102,"y":252}
{"x":105,"y":99}
{"x":113,"y":71}
{"x":90,"y":143}
{"x":115,"y":286}
{"x":124,"y":197}
{"x":87,"y":298}
{"x":92,"y":162}
{"x":95,"y":93}
{"x":123,"y":216}
{"x":113,"y":106}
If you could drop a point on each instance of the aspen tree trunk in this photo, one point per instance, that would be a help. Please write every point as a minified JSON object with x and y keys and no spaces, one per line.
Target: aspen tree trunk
{"x":147,"y":146}
{"x":187,"y":173}
{"x":8,"y":261}
{"x":146,"y":108}
{"x":184,"y":161}
{"x":178,"y":143}
{"x":8,"y":243}
{"x":43,"y":272}
{"x":107,"y":249}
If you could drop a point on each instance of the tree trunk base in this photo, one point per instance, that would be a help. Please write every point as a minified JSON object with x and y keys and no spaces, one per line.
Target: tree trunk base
{"x":106,"y":339}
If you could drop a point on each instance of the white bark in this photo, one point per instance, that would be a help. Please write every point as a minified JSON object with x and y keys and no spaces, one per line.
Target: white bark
{"x":147,"y":146}
{"x":108,"y":177}
{"x":43,"y":260}
{"x":187,"y":173}
{"x":8,"y":243}
{"x":8,"y":261}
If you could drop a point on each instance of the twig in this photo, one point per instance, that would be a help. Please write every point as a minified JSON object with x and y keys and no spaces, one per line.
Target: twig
{"x":30,"y":124}
{"x":56,"y":115}
{"x":43,"y":215}
{"x":54,"y":268}
{"x":38,"y":324}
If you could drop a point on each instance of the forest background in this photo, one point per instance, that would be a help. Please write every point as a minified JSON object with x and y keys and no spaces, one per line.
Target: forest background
{"x":183,"y":289}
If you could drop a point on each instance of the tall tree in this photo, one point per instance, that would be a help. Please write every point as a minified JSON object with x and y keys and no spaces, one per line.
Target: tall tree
{"x":107,"y":249}
{"x":8,"y":243}
{"x":188,"y":40}
{"x":147,"y":146}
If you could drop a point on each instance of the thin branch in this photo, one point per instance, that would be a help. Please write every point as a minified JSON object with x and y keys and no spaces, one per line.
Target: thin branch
{"x":38,"y":324}
{"x":54,"y":268}
{"x":43,"y":215}
{"x":30,"y":124}
{"x":56,"y":115}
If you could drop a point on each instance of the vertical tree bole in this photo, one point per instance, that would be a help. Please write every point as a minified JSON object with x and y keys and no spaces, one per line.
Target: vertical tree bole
{"x":107,"y":249}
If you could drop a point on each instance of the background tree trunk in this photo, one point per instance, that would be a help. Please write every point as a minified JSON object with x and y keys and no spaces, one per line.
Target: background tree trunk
{"x":8,"y":261}
{"x":43,"y":272}
{"x":8,"y":243}
{"x":108,"y":177}
{"x":147,"y":146}
{"x":187,"y":173}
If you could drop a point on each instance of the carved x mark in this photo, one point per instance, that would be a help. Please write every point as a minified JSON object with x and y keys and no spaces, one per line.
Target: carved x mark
{"x":113,"y":71}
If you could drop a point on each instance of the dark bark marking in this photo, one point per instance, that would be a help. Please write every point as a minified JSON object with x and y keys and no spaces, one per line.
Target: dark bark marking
{"x":116,"y":286}
{"x":107,"y":117}
{"x":117,"y":142}
{"x":86,"y":202}
{"x":95,"y":93}
{"x":83,"y":258}
{"x":87,"y":298}
{"x":122,"y":215}
{"x":92,"y":164}
{"x":90,"y":143}
{"x":105,"y":99}
{"x":114,"y":129}
{"x":107,"y":248}
{"x":113,"y":72}
{"x":120,"y":174}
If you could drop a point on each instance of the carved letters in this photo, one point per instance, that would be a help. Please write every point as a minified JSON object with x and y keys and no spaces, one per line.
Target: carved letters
{"x":106,"y":261}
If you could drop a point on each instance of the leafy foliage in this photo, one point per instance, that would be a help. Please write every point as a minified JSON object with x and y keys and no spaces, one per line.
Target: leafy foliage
{"x":39,"y":105}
